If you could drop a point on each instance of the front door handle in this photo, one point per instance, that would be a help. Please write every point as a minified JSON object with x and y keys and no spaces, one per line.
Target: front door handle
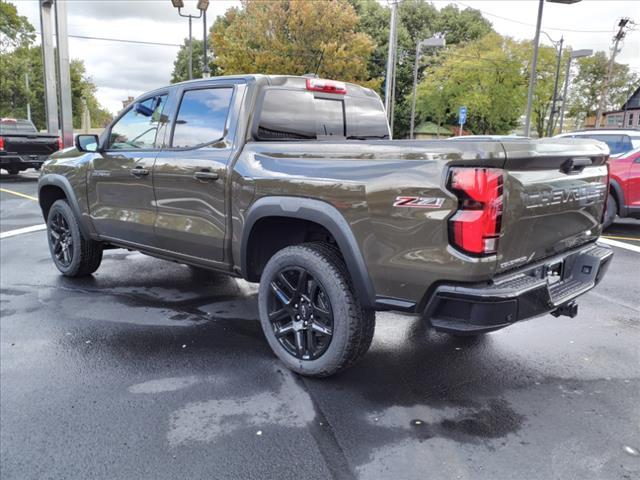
{"x":139,"y":172}
{"x":205,"y":175}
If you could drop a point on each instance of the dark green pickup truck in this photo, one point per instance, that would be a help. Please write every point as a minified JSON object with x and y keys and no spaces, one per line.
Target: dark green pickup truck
{"x":293,"y":182}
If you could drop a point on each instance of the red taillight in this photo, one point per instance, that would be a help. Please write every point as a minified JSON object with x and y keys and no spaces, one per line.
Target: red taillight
{"x":1,"y":143}
{"x":475,"y":227}
{"x":60,"y":145}
{"x":327,"y":86}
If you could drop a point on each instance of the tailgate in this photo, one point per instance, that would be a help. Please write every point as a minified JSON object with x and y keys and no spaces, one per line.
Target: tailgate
{"x":31,"y":144}
{"x":554,"y":197}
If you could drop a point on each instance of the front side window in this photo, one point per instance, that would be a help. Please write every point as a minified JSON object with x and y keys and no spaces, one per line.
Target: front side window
{"x":138,"y":127}
{"x":201,"y":117}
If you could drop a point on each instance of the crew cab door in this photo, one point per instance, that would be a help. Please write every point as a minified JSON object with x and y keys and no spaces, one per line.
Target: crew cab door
{"x":120,"y":188}
{"x":190,"y":173}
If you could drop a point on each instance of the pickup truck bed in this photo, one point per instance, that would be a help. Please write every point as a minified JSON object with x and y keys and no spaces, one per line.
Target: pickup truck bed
{"x":300,"y":189}
{"x":22,"y":147}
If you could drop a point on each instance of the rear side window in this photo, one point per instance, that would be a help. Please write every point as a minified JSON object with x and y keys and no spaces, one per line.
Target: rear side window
{"x":16,"y":126}
{"x":202,"y":117}
{"x":301,"y":115}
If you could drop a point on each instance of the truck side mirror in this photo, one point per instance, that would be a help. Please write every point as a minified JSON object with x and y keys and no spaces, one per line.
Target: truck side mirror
{"x":87,"y":143}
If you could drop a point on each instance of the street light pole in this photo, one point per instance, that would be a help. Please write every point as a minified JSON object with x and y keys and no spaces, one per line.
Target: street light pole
{"x":391,"y":60}
{"x":205,"y":64}
{"x":430,"y":42}
{"x":572,"y":55}
{"x":190,"y":49}
{"x":555,"y":90}
{"x":534,"y":63}
{"x":202,"y":7}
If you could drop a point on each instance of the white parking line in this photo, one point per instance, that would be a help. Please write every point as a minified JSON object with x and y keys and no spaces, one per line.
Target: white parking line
{"x":616,"y":243}
{"x":20,"y":231}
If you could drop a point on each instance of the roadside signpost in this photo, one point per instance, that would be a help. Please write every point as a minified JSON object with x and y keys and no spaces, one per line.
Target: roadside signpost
{"x":462,"y":119}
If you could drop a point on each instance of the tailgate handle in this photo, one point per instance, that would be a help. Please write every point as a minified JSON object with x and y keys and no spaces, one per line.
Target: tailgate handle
{"x":575,"y":164}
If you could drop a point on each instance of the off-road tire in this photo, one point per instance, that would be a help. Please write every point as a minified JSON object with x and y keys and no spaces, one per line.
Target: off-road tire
{"x":86,"y":255}
{"x":354,"y":325}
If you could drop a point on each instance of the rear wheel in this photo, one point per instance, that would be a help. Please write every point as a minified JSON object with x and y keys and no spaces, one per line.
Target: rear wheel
{"x":309,"y":313}
{"x":13,"y":171}
{"x":72,"y":254}
{"x":612,"y":210}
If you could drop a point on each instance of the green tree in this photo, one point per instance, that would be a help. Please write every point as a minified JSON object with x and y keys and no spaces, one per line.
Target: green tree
{"x":545,"y":78}
{"x":417,"y":20}
{"x":290,"y":37}
{"x":15,"y":30}
{"x":21,"y":58}
{"x":486,"y":75}
{"x":180,"y":71}
{"x":588,"y":84}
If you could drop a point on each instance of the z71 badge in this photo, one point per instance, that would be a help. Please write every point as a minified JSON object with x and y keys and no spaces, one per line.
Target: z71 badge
{"x":419,"y":202}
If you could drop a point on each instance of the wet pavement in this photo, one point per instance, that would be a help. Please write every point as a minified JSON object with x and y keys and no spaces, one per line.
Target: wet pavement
{"x":151,"y":370}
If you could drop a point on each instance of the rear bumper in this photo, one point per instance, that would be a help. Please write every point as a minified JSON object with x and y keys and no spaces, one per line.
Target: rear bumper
{"x":527,"y":293}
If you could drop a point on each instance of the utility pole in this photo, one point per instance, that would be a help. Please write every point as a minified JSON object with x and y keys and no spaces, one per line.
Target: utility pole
{"x":605,"y":90}
{"x":532,"y":73}
{"x":391,"y":61}
{"x":534,"y":63}
{"x":48,"y":61}
{"x":572,"y":55}
{"x":190,"y":51}
{"x":430,"y":42}
{"x":205,"y":65}
{"x":555,"y":91}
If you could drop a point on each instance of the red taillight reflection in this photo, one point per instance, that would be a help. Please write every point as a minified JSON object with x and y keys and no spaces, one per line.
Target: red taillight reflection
{"x":60,"y":145}
{"x":475,"y":227}
{"x":1,"y":143}
{"x":327,"y":86}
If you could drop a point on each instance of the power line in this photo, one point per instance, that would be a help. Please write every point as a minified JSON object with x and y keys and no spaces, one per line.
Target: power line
{"x":123,"y":40}
{"x":531,"y":24}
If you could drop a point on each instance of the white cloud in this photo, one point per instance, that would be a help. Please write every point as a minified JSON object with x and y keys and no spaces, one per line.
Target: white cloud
{"x":121,"y":69}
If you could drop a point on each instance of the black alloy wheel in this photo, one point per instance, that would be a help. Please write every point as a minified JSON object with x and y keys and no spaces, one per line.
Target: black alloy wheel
{"x":61,"y":239}
{"x":300,"y":313}
{"x":72,"y":253}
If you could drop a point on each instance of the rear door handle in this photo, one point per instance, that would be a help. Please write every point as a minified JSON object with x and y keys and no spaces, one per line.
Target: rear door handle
{"x":139,"y":172}
{"x":205,"y":175}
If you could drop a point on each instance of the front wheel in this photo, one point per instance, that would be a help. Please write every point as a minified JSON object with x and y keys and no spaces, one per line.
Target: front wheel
{"x":72,"y":254}
{"x":309,"y":313}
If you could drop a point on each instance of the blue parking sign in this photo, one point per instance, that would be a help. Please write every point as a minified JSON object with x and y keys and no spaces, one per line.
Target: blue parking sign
{"x":462,"y":116}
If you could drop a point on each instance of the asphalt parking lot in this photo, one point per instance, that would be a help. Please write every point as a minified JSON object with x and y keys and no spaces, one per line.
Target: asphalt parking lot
{"x":149,"y":370}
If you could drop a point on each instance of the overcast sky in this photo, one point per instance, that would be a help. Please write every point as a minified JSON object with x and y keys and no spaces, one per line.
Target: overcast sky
{"x":123,"y":69}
